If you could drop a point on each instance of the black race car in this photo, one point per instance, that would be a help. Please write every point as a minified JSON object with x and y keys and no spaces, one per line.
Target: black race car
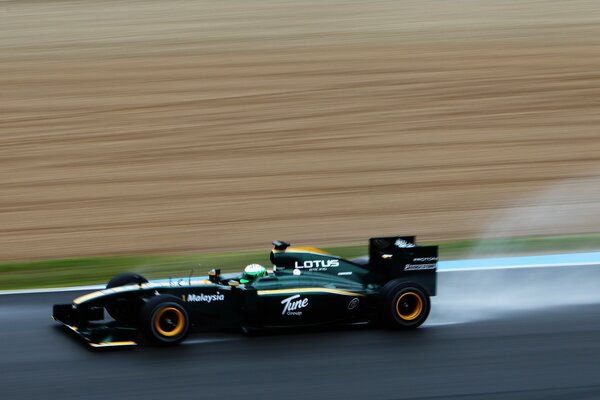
{"x":306,"y":287}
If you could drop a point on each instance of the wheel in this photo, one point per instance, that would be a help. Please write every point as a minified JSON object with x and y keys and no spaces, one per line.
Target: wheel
{"x":165,"y":320}
{"x":126,"y":278}
{"x":404,"y":305}
{"x":123,"y":310}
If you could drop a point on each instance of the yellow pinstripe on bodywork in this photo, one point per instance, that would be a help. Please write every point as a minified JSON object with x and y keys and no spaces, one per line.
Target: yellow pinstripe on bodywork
{"x":302,"y":250}
{"x":114,"y":344}
{"x":180,"y":282}
{"x":308,"y":290}
{"x":89,"y":296}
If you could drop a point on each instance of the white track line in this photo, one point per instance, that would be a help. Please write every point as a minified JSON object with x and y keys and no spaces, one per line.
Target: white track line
{"x":53,"y":290}
{"x":524,"y":266}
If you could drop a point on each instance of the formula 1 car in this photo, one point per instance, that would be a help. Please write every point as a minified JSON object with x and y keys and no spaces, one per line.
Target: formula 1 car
{"x":306,"y":287}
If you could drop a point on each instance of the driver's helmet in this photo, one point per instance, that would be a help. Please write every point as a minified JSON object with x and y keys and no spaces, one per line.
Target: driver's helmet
{"x":252,"y":272}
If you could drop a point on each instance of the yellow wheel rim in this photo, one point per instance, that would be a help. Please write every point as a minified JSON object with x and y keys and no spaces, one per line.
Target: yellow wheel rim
{"x":409,"y":306}
{"x":169,"y":322}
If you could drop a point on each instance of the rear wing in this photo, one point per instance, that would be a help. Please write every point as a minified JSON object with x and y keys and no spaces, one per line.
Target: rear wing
{"x":400,"y":257}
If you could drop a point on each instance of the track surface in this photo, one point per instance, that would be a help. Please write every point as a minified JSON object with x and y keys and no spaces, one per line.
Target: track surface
{"x":500,"y":346}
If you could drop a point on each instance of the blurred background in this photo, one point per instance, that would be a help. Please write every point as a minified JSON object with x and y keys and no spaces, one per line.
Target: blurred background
{"x":185,"y":126}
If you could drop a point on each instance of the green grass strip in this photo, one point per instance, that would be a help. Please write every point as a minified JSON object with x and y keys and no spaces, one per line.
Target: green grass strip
{"x":97,"y":270}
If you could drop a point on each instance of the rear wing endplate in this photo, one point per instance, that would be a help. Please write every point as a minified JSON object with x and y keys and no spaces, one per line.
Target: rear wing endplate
{"x":400,"y":257}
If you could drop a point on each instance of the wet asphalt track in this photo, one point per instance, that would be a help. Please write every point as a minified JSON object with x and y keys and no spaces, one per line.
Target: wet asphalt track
{"x":489,"y":337}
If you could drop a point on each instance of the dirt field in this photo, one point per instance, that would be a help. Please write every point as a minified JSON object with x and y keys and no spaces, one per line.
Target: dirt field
{"x":174,"y":126}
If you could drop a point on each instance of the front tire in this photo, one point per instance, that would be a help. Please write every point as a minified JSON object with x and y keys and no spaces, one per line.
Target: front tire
{"x":125,"y":310}
{"x":165,"y":320}
{"x":405,"y":305}
{"x":126,"y":278}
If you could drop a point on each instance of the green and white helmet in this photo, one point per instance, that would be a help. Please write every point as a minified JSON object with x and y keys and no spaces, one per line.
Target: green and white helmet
{"x":252,"y":272}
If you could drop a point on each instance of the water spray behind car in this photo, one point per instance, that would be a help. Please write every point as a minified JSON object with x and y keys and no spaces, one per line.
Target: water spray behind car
{"x":557,"y":210}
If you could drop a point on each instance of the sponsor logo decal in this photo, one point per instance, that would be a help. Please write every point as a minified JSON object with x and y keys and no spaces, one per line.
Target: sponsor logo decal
{"x":403,"y":244}
{"x":426,"y":259}
{"x":317,"y":265}
{"x":418,"y":267}
{"x":353,"y":304}
{"x":205,"y":298}
{"x":293,"y":305}
{"x":345,"y":273}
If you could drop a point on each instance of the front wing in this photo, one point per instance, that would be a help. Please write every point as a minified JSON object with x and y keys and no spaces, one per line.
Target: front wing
{"x":90,"y":326}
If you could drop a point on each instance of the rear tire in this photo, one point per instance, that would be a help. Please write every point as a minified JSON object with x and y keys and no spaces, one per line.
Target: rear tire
{"x":165,"y":320}
{"x":404,"y":305}
{"x":125,"y":310}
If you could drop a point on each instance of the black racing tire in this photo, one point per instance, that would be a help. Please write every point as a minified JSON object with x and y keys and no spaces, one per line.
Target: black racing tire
{"x":404,"y":305}
{"x":125,"y":310}
{"x":165,"y":320}
{"x":126,"y":278}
